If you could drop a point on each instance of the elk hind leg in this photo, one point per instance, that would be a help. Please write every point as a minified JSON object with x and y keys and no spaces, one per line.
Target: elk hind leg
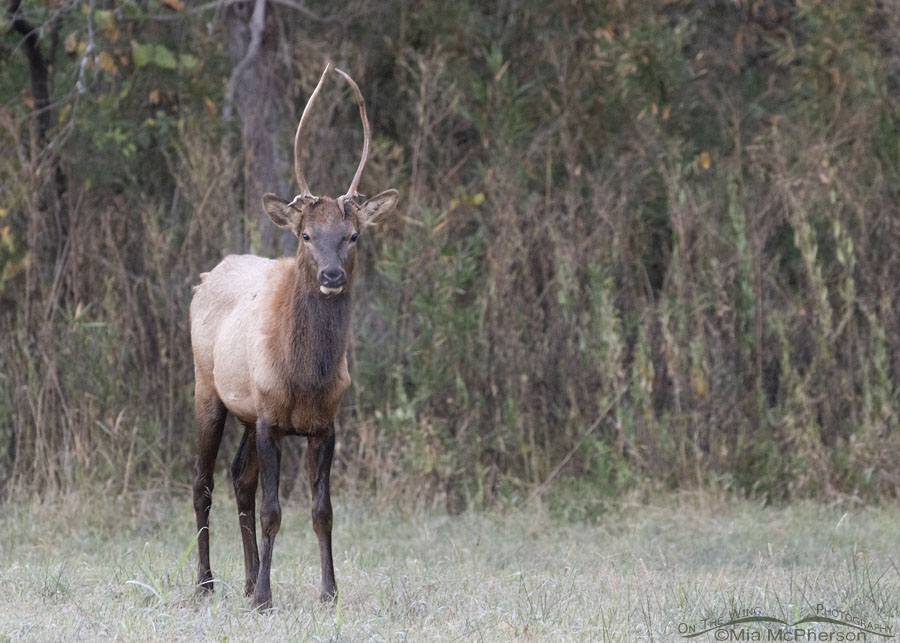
{"x":245,"y":475}
{"x":209,"y":414}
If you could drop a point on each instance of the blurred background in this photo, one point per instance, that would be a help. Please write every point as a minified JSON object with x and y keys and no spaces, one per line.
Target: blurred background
{"x":641,"y":245}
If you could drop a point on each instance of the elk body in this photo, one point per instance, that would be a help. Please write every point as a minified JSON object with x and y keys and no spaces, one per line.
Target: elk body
{"x":269,"y":339}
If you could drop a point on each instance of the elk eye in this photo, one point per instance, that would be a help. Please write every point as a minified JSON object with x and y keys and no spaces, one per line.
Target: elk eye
{"x":305,"y":236}
{"x":354,"y":237}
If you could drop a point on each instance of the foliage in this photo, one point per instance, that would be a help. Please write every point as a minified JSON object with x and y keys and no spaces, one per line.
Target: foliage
{"x":638,"y":241}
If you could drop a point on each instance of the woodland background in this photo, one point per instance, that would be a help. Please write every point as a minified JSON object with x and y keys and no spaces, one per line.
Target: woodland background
{"x":640,"y":244}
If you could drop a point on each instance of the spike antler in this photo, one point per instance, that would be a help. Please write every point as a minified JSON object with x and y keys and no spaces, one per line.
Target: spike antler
{"x":367,"y":137}
{"x":298,"y":169}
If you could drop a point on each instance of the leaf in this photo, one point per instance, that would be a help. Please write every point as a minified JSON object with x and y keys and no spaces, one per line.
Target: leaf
{"x":131,"y":10}
{"x":154,"y":97}
{"x":164,"y":58}
{"x":141,"y":54}
{"x":705,"y":160}
{"x":188,"y":61}
{"x":105,"y":19}
{"x":159,"y":55}
{"x":106,"y":62}
{"x":71,"y":43}
{"x":6,"y":239}
{"x":174,"y":5}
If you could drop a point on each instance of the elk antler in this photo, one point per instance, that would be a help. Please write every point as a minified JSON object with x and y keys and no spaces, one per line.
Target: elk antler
{"x":367,"y":137}
{"x":298,"y":170}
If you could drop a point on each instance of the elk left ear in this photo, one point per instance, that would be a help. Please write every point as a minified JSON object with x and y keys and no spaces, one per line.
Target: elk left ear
{"x":378,"y":207}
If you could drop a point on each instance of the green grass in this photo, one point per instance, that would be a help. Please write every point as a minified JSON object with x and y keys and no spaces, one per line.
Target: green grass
{"x":106,"y":569}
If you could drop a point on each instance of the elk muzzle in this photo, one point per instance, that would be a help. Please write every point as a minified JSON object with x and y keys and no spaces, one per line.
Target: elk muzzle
{"x":332,"y":280}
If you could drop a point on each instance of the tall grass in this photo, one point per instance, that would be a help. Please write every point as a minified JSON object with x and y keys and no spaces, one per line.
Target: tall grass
{"x":643,"y":242}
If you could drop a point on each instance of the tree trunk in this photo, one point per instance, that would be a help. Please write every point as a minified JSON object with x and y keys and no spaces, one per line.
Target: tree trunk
{"x":258,"y":97}
{"x":48,"y":225}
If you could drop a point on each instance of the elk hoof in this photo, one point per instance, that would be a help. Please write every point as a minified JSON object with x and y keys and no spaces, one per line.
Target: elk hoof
{"x":249,"y":587}
{"x":205,"y":584}
{"x":262,"y":602}
{"x":328,"y":597}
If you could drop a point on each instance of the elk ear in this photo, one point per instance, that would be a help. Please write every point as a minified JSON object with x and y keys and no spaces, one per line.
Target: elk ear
{"x":378,"y":207}
{"x":283,"y":213}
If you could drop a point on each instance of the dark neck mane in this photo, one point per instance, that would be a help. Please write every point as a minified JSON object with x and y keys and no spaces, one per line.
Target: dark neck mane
{"x":317,"y":331}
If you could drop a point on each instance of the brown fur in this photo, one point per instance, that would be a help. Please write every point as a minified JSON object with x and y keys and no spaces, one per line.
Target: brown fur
{"x":306,"y":338}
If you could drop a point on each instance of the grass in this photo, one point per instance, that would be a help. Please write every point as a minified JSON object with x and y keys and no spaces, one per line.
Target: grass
{"x":107,"y":569}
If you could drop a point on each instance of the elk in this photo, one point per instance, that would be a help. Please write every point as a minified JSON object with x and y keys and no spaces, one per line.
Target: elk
{"x":269,"y":339}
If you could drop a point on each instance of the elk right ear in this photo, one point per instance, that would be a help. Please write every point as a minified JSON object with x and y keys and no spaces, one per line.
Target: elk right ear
{"x":378,"y":207}
{"x":283,"y":213}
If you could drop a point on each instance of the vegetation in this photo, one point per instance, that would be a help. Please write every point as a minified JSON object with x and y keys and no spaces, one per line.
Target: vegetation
{"x":639,"y":241}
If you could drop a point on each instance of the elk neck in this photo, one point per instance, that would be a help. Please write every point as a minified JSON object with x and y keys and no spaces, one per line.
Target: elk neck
{"x":314,"y":332}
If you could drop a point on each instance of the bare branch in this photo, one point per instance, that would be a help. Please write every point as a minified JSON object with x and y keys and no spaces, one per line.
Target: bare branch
{"x":88,"y":51}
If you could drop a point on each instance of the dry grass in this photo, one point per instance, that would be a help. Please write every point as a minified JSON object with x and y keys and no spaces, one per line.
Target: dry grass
{"x":89,"y":570}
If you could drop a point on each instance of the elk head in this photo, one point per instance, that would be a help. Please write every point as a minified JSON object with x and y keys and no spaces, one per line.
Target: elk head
{"x":328,"y":228}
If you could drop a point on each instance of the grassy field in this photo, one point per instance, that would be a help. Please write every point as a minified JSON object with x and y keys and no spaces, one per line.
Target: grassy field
{"x":111,"y":570}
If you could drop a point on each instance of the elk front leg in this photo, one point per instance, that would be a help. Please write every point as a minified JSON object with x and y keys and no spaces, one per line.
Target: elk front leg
{"x":318,"y":464}
{"x":268,"y":450}
{"x":245,"y":475}
{"x":209,"y":414}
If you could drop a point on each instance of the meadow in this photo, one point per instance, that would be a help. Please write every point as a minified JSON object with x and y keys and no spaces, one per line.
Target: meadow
{"x":123,"y":569}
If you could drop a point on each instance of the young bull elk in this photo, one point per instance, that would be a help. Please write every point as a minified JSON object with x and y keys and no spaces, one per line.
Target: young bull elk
{"x":269,"y":340}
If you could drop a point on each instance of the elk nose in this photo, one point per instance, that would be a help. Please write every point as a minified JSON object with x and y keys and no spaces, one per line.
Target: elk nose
{"x":332,"y":277}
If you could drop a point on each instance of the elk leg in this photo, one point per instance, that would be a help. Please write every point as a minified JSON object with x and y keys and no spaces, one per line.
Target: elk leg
{"x":209,"y":415}
{"x":268,"y":448}
{"x":245,"y":475}
{"x":318,"y":464}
